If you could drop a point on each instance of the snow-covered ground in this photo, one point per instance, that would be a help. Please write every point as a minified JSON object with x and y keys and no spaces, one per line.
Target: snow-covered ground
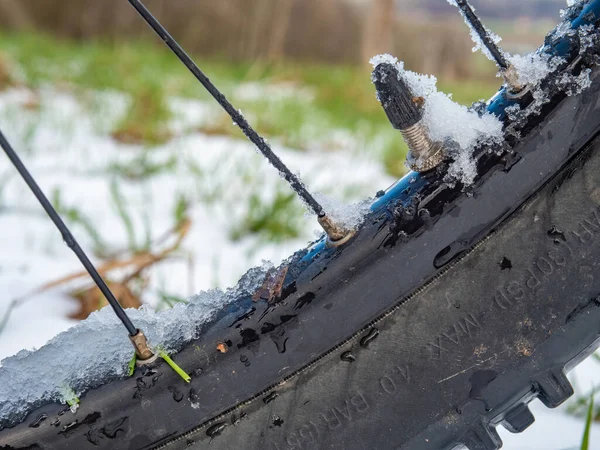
{"x":66,"y":145}
{"x":65,"y":141}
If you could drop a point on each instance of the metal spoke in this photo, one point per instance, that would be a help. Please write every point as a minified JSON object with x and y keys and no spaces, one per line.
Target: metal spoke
{"x":235,"y":115}
{"x":475,"y":23}
{"x":135,"y":334}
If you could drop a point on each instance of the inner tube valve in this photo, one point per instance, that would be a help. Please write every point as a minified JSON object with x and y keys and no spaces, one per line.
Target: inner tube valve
{"x":405,"y":112}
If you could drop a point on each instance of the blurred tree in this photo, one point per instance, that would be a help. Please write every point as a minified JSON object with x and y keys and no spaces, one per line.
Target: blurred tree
{"x":378,"y":30}
{"x":281,"y":22}
{"x":329,"y":31}
{"x":15,"y":14}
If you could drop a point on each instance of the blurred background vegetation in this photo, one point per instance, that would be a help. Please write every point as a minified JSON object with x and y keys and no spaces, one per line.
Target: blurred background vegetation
{"x":321,"y":44}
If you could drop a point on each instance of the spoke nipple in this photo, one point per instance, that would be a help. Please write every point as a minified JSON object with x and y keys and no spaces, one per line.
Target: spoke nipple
{"x":142,"y":350}
{"x":511,"y":77}
{"x":405,"y":112}
{"x":336,"y":234}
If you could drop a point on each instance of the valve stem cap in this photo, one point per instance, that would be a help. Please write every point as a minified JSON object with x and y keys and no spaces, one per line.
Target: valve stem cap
{"x":405,"y":112}
{"x":396,"y":97}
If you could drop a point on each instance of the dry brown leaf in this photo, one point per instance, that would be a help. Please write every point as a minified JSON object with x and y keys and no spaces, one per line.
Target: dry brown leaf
{"x":91,"y":299}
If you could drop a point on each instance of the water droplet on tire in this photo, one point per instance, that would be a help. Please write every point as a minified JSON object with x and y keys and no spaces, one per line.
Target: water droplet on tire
{"x":348,"y":357}
{"x":38,"y":420}
{"x":369,"y":337}
{"x":216,"y":430}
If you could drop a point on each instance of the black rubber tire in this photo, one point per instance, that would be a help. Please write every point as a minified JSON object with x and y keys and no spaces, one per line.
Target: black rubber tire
{"x":422,"y":340}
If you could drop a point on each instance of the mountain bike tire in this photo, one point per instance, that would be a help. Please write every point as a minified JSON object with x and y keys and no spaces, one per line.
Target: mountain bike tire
{"x":401,"y":340}
{"x":443,"y":317}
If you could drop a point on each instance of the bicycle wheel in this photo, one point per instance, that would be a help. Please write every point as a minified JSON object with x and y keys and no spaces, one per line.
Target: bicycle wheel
{"x":445,"y":315}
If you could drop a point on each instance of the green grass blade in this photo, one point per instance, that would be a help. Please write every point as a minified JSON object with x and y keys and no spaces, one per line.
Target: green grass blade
{"x":171,"y":300}
{"x":73,"y":401}
{"x":74,"y":216}
{"x":119,"y":203}
{"x":6,"y":316}
{"x":131,"y":365}
{"x":585,"y":442}
{"x":70,"y":398}
{"x":174,"y":366}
